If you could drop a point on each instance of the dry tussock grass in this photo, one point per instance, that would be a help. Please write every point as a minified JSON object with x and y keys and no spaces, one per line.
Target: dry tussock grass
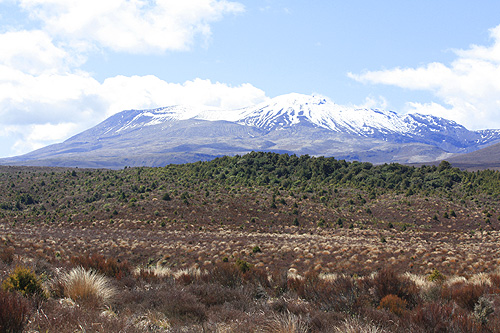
{"x":87,"y":286}
{"x":157,"y":271}
{"x":286,"y":323}
{"x":356,"y":325}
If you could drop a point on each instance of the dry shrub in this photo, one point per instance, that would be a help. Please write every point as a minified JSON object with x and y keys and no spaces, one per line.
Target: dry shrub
{"x":481,"y":279}
{"x":279,"y":282}
{"x":495,"y":280}
{"x":387,"y":282}
{"x":184,"y":279}
{"x":483,"y":309}
{"x":87,"y":286}
{"x":257,"y":276}
{"x":58,"y":317}
{"x":393,"y":304}
{"x":226,"y":314}
{"x":464,"y":294}
{"x":146,"y":275}
{"x":279,"y":305}
{"x":13,"y":312}
{"x":211,"y":294}
{"x":342,"y":294}
{"x":153,"y":322}
{"x":238,"y":322}
{"x":154,"y":274}
{"x":296,"y":284}
{"x":438,"y":317}
{"x":7,"y":255}
{"x":325,"y":321}
{"x":226,"y":274}
{"x":107,"y":266}
{"x":181,"y":306}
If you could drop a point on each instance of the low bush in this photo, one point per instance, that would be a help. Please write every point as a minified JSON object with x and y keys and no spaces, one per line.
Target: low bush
{"x":483,"y":309}
{"x":183,"y":307}
{"x":464,"y":294}
{"x":438,"y":317}
{"x":13,"y":312}
{"x":7,"y":255}
{"x":436,"y":276}
{"x":25,"y":281}
{"x":387,"y":282}
{"x":393,"y":304}
{"x":341,"y":294}
{"x":226,"y":274}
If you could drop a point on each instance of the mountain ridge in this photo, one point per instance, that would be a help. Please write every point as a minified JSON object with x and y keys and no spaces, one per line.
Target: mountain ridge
{"x":293,"y":123}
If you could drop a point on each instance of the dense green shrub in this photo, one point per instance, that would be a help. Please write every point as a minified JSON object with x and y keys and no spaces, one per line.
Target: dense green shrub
{"x":25,"y":281}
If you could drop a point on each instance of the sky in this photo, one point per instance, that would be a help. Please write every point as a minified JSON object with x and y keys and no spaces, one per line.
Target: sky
{"x":66,"y":65}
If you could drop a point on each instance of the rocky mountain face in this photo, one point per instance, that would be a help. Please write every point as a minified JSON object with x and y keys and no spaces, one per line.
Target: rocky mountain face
{"x":293,"y":123}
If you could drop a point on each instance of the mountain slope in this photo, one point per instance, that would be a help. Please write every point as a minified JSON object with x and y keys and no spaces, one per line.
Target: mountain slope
{"x":294,"y":124}
{"x":295,"y":109}
{"x":488,"y":157}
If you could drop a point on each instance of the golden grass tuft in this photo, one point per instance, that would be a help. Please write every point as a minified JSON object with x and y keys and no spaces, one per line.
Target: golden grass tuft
{"x":158,"y":271}
{"x":287,"y":323}
{"x":480,"y":279}
{"x":87,"y":286}
{"x":356,"y":325}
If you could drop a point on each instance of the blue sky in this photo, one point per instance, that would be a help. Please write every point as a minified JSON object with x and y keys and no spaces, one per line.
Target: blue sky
{"x":66,"y":65}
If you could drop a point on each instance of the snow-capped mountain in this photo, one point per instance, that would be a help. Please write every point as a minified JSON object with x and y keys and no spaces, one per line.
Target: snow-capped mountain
{"x":291,"y":110}
{"x":292,"y":123}
{"x":296,"y":109}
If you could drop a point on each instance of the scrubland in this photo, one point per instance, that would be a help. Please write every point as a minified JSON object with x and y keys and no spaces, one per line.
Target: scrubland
{"x":255,"y":243}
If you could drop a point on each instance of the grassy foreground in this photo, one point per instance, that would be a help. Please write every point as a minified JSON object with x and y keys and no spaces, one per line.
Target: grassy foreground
{"x":261,"y":242}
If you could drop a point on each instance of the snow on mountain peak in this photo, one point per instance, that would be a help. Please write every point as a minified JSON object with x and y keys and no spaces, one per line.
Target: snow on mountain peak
{"x":296,"y":110}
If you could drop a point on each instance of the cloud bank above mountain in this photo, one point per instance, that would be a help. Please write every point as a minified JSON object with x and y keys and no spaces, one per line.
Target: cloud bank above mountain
{"x":45,"y":95}
{"x":467,"y":90}
{"x":65,"y":65}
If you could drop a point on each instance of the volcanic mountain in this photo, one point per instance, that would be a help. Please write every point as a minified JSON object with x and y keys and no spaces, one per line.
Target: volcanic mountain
{"x":293,"y":123}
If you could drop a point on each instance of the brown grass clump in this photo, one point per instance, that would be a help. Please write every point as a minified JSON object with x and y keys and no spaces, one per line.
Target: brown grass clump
{"x":107,"y":266}
{"x":87,"y":286}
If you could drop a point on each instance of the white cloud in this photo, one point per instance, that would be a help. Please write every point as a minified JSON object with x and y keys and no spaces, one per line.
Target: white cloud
{"x":32,"y":107}
{"x":468,"y":88}
{"x":40,"y":135}
{"x":32,"y":52}
{"x":137,"y":26}
{"x":373,"y":103}
{"x":45,"y":96}
{"x":140,"y":92}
